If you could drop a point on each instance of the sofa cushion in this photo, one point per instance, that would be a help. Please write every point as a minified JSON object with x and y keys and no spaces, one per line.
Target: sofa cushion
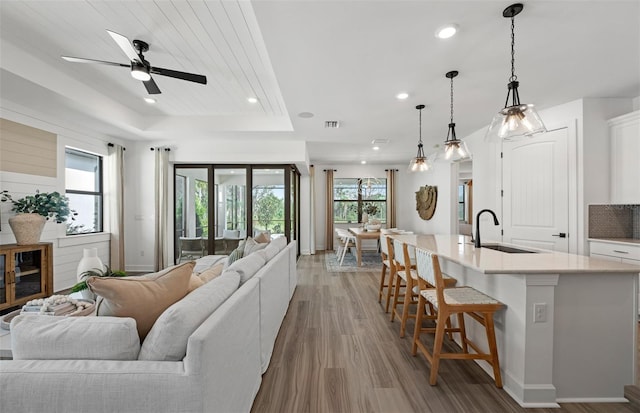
{"x":280,"y":242}
{"x":143,"y":298}
{"x":211,"y":273}
{"x":35,"y":337}
{"x":207,"y":262}
{"x":247,"y":266}
{"x":271,"y":251}
{"x":251,"y":245}
{"x":167,"y":340}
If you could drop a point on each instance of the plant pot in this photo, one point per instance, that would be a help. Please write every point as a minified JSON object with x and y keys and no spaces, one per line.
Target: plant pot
{"x":27,"y":228}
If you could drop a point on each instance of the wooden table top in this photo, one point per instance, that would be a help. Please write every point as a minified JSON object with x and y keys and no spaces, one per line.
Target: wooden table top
{"x":361,"y":233}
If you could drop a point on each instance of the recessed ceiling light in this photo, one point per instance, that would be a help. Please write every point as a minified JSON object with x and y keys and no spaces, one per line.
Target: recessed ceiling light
{"x":150,"y":101}
{"x":376,"y":148}
{"x":363,"y":162}
{"x":305,"y":115}
{"x":447,"y":31}
{"x":252,"y":100}
{"x":402,"y":96}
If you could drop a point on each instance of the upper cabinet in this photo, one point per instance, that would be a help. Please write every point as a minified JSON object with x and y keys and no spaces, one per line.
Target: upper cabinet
{"x":625,"y":158}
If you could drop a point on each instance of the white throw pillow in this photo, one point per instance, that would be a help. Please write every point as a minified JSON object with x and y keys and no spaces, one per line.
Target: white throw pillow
{"x":247,"y":266}
{"x":40,"y":337}
{"x":167,"y":340}
{"x":251,"y":245}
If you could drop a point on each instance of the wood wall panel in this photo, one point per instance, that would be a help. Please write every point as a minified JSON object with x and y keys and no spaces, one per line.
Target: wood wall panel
{"x":27,"y":150}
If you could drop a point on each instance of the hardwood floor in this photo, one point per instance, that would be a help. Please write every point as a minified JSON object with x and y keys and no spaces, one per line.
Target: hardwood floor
{"x":337,"y":351}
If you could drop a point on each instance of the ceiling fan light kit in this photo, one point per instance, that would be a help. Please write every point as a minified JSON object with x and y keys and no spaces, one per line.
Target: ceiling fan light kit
{"x":420,"y":163}
{"x":516,"y":120}
{"x":454,"y":148}
{"x":141,"y":69}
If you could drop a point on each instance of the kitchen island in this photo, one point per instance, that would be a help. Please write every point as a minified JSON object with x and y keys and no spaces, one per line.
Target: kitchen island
{"x":579,"y":345}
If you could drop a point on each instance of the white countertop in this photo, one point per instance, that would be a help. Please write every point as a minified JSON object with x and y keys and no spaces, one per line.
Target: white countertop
{"x":460,"y":249}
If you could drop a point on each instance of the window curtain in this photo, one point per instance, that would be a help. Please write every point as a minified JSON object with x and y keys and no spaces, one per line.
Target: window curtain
{"x":162,"y":206}
{"x":312,"y":210}
{"x":115,"y":199}
{"x":328,"y":237}
{"x":391,"y":197}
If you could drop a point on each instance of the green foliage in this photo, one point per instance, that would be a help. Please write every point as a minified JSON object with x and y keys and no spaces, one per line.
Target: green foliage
{"x":371,"y":209}
{"x":50,"y":205}
{"x":202,"y":206}
{"x":267,"y":207}
{"x":96,"y":272}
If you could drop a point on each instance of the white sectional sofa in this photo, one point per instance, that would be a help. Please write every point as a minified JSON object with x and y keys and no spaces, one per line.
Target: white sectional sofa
{"x":225,"y":355}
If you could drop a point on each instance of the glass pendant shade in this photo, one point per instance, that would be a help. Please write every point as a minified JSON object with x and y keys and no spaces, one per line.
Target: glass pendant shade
{"x":516,"y":120}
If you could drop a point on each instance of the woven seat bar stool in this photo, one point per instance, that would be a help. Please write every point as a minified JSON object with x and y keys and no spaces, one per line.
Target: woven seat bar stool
{"x":447,"y":302}
{"x":407,"y":279}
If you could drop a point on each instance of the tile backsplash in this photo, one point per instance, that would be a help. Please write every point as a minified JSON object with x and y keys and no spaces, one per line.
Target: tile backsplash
{"x":614,"y":221}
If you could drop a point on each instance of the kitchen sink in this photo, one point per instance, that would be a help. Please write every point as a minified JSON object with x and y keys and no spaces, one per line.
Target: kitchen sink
{"x":508,"y":250}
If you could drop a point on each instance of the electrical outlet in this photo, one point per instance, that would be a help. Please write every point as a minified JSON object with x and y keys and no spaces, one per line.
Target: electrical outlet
{"x":540,"y":312}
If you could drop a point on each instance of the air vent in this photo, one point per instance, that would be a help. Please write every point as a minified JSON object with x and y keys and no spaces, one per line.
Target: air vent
{"x":331,"y":124}
{"x":380,"y":141}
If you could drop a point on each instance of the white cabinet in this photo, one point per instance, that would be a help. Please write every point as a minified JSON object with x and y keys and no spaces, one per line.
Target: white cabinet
{"x":629,"y":253}
{"x":624,"y":132}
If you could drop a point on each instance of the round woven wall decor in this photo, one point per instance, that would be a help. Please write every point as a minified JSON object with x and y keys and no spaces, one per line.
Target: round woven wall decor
{"x":426,"y":199}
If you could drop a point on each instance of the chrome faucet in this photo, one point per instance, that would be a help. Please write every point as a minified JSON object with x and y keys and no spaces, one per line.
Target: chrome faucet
{"x":495,"y":221}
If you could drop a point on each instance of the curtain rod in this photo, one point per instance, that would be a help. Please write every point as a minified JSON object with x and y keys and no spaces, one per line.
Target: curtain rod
{"x":166,"y":149}
{"x":334,"y":170}
{"x":387,"y":170}
{"x":112,"y":145}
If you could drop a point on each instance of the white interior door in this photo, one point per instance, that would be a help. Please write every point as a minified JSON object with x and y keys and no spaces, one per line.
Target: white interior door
{"x":535,"y":181}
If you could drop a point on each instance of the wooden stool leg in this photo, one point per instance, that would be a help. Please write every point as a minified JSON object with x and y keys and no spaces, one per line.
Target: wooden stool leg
{"x":396,"y":297}
{"x":437,"y":347}
{"x":408,"y":295}
{"x":382,"y":279}
{"x":392,"y":283}
{"x":418,"y":327}
{"x":463,"y":333}
{"x":493,"y":348}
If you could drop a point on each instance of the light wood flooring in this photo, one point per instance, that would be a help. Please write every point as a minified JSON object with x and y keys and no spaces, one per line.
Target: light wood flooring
{"x":338,"y":352}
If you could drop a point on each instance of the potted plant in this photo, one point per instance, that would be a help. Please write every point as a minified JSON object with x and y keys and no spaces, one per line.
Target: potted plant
{"x":32,"y":213}
{"x":95,"y":272}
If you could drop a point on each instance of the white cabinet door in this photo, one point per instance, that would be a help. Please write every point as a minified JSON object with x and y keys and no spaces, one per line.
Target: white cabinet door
{"x":625,"y":159}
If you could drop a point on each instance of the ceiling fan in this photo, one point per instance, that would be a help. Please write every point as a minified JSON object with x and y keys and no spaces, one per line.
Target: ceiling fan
{"x":141,"y":69}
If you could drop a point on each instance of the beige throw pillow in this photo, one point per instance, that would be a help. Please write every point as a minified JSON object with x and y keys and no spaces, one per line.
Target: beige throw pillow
{"x":211,"y":273}
{"x":143,"y":298}
{"x":194,"y":282}
{"x":262,"y":238}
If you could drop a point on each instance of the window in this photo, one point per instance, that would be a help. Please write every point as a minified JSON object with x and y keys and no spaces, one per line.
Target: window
{"x":83,"y":180}
{"x":353,"y":196}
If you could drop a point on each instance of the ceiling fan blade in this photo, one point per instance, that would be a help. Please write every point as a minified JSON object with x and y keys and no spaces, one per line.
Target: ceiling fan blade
{"x":179,"y":75}
{"x":152,"y":88}
{"x":83,"y":60}
{"x":125,"y":45}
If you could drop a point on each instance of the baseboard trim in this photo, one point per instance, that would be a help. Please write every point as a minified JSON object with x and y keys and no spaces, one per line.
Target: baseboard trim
{"x":592,"y":400}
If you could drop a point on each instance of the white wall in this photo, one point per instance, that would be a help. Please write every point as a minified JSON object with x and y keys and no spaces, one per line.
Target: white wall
{"x":67,"y":250}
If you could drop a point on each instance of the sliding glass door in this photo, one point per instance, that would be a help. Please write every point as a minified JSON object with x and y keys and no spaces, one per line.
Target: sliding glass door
{"x":217,"y":206}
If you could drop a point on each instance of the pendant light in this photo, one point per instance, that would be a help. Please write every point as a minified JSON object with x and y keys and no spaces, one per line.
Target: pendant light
{"x":454,"y":149}
{"x":516,"y":120}
{"x":420,"y":162}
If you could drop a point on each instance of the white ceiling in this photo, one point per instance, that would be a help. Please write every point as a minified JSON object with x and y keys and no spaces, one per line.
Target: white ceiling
{"x":340,"y":60}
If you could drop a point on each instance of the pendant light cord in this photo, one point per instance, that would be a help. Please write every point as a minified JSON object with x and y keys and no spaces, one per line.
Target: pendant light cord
{"x":451,"y":106}
{"x":513,"y":52}
{"x":420,"y":130}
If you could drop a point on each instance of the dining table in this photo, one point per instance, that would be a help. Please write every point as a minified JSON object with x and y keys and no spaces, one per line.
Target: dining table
{"x":362,"y":234}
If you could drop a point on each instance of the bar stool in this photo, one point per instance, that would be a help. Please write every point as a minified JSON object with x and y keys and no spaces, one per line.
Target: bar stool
{"x":447,"y":302}
{"x":404,"y":260}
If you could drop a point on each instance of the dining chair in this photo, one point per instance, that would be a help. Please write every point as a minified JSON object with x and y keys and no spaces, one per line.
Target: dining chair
{"x":347,"y":241}
{"x":453,"y":301}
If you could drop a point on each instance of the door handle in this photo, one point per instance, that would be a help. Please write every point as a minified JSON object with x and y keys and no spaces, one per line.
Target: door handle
{"x":561,"y":235}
